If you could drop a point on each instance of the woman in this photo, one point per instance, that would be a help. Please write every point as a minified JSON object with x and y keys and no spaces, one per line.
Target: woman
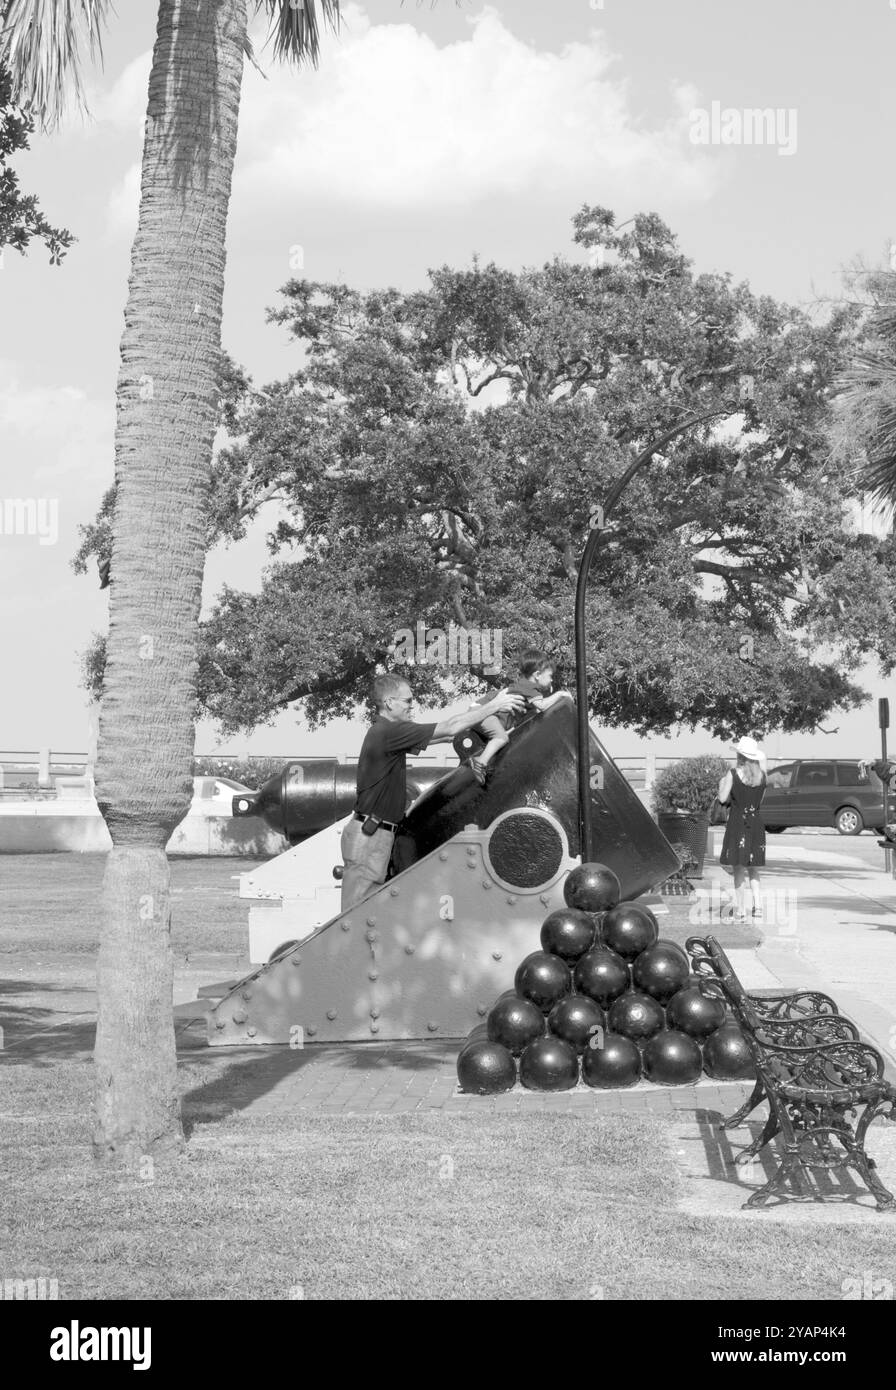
{"x":743,"y":848}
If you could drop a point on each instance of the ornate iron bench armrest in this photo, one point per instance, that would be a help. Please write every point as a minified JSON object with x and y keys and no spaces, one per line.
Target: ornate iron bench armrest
{"x":807,"y":1030}
{"x":824,"y":1066}
{"x":794,"y":1005}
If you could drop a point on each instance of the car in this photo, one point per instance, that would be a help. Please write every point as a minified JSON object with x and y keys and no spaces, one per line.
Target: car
{"x":839,"y":792}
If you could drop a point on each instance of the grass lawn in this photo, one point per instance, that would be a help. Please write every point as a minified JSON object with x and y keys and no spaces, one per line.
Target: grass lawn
{"x":437,"y":1205}
{"x":433,"y":1206}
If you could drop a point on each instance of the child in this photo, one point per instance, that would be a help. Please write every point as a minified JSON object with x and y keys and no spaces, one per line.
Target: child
{"x":534,"y":682}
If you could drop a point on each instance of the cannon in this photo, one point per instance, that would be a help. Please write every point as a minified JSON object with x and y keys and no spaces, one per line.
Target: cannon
{"x":309,"y":794}
{"x":475,"y":871}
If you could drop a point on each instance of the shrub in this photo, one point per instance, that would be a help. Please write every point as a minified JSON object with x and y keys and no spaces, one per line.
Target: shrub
{"x":252,"y":772}
{"x":688,"y":785}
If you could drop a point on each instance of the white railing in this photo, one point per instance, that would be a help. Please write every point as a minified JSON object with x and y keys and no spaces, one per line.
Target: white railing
{"x":38,"y":772}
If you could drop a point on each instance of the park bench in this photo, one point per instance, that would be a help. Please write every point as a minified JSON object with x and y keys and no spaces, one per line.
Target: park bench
{"x":813,"y":1071}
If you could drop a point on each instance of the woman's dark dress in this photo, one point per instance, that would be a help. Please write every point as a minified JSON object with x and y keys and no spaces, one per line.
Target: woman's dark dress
{"x":744,"y":841}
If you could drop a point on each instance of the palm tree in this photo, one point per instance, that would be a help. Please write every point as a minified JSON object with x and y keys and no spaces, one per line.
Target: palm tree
{"x":867,"y":396}
{"x":166,"y":406}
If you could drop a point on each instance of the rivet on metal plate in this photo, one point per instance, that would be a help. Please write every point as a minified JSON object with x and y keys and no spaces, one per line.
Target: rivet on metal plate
{"x":331,"y":1014}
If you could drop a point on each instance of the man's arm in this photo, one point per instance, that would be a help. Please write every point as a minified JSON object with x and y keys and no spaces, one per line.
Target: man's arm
{"x":447,"y":728}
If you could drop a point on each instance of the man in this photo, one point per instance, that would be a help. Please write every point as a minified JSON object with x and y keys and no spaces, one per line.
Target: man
{"x":382,"y":778}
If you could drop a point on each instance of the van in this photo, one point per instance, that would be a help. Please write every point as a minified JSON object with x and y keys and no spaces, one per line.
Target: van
{"x":847,"y":795}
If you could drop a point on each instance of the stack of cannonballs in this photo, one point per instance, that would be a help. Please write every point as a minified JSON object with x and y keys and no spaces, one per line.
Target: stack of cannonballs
{"x":604,"y":1001}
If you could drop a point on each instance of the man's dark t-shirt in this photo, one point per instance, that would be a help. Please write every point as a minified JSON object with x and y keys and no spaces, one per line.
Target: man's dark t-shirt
{"x":382,"y":766}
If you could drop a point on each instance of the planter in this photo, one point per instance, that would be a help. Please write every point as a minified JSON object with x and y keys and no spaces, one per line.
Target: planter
{"x":680,"y":828}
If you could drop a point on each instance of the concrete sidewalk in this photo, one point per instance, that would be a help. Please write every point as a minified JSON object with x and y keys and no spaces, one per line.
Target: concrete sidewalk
{"x":829,"y":924}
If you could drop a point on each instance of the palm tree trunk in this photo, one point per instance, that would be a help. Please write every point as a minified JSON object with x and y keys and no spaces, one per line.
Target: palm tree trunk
{"x":166,"y":418}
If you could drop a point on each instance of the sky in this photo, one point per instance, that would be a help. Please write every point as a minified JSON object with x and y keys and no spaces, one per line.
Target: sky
{"x":427,"y":134}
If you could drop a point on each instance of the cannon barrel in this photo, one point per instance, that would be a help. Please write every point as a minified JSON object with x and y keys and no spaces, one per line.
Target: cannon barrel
{"x":309,"y":794}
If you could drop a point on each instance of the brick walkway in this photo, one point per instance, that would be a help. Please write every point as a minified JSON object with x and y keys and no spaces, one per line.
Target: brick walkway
{"x":362,"y":1078}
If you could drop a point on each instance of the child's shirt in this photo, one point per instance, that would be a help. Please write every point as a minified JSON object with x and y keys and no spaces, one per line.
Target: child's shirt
{"x":521,"y":686}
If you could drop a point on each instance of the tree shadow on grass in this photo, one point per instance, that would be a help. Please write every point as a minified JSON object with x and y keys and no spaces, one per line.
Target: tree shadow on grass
{"x":242,"y":1075}
{"x":41,"y":1037}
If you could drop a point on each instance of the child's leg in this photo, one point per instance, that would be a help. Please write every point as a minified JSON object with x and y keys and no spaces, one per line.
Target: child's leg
{"x":497,"y":739}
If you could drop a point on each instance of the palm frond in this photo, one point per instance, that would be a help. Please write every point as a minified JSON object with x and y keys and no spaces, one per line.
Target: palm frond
{"x":867,"y":398}
{"x":295,"y":29}
{"x":42,"y":43}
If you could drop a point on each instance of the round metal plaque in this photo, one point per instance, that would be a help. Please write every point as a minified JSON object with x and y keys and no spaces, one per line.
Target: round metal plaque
{"x":525,"y":850}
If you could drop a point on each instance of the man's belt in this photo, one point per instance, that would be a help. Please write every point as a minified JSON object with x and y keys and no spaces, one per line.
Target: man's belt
{"x":382,"y":824}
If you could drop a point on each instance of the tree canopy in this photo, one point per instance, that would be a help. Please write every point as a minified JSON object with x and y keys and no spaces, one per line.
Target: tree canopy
{"x":21,"y":220}
{"x":437,"y":458}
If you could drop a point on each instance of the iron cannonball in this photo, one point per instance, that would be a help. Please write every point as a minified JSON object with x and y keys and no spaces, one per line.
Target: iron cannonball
{"x":612,"y":1066}
{"x":544,"y":979}
{"x":475,"y":1035}
{"x":672,"y":1059}
{"x":661,"y":970}
{"x":577,"y":1019}
{"x":485,"y":1068}
{"x":629,"y":929}
{"x":592,"y":887}
{"x":602,"y":975}
{"x":549,"y":1064}
{"x":726,"y":1056}
{"x":636,"y":1016}
{"x":515,"y":1022}
{"x":695,"y":1013}
{"x":568,"y":933}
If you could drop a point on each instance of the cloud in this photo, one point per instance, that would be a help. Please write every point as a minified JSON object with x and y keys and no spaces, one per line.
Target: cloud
{"x":392,"y":120}
{"x":124,"y":204}
{"x":124,"y":104}
{"x":49,"y":434}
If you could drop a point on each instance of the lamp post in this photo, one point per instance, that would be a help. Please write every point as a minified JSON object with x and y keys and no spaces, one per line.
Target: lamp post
{"x":595,"y":540}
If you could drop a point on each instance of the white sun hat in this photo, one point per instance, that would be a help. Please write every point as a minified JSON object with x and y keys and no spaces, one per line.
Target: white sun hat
{"x":749,"y":748}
